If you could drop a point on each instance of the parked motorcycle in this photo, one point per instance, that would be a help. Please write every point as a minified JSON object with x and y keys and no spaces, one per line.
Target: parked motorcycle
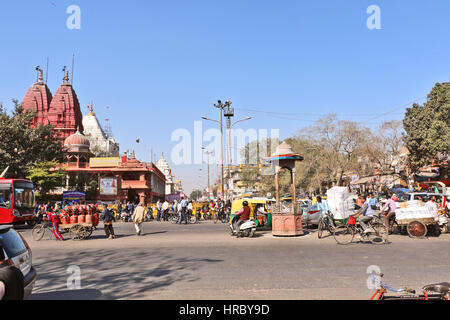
{"x":125,"y":216}
{"x":247,"y":229}
{"x":444,"y":221}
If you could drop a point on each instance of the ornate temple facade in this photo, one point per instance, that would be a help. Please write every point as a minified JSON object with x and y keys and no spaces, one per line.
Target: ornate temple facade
{"x":163,"y":166}
{"x":101,"y":144}
{"x":120,"y":178}
{"x":62,"y":110}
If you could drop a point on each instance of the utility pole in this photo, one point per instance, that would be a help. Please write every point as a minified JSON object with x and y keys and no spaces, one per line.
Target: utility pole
{"x":221,"y":106}
{"x":209,"y":188}
{"x":229,"y":113}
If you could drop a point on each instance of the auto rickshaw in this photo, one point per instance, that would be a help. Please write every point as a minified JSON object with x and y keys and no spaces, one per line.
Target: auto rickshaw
{"x":263,"y":216}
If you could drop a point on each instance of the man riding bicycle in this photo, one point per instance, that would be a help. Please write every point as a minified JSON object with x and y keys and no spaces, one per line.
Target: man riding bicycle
{"x":392,"y":205}
{"x":364,"y":215}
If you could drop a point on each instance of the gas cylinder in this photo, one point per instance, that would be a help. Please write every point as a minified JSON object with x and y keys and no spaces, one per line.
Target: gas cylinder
{"x":73,"y":219}
{"x":81,"y":218}
{"x":64,"y":219}
{"x":95,"y":219}
{"x":89,"y":218}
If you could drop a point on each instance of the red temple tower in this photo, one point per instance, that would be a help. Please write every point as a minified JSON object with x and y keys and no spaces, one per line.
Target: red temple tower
{"x":64,"y":112}
{"x":38,"y":99}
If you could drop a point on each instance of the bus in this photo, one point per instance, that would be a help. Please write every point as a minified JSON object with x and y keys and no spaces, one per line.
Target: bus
{"x":17,"y":202}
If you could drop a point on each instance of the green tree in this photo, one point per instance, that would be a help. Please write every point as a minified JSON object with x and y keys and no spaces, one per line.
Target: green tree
{"x":427,"y":128}
{"x":21,"y":146}
{"x":195,"y":195}
{"x":45,"y":179}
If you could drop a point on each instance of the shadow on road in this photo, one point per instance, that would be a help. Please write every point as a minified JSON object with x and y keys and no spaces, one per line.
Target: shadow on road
{"x":125,"y":273}
{"x":86,"y":294}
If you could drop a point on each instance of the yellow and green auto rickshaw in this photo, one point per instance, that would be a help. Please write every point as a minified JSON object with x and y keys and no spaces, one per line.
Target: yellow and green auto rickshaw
{"x":258,"y":206}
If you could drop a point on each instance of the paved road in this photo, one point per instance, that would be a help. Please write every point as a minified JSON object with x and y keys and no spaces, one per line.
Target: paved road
{"x":203,"y":261}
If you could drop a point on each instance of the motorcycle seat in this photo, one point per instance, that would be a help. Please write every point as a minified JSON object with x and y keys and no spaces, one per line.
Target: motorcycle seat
{"x":442,"y":288}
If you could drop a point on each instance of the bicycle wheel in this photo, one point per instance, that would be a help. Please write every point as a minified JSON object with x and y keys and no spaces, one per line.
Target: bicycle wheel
{"x":216,"y":218}
{"x":320,"y":227}
{"x":38,"y":232}
{"x":174,"y":218}
{"x":193,"y":219}
{"x":380,"y":234}
{"x":344,"y":234}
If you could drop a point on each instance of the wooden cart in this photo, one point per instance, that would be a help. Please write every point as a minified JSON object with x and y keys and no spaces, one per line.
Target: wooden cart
{"x":418,"y":227}
{"x":78,"y":231}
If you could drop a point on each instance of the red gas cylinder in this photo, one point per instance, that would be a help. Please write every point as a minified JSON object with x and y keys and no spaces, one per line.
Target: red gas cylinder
{"x":95,"y":219}
{"x":81,"y":218}
{"x":89,"y":218}
{"x":73,"y":219}
{"x":64,"y":219}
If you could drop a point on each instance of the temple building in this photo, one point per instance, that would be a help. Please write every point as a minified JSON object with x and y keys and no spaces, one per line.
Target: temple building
{"x":119,"y":178}
{"x":62,"y":110}
{"x":101,"y":144}
{"x":37,"y":99}
{"x":163,"y":166}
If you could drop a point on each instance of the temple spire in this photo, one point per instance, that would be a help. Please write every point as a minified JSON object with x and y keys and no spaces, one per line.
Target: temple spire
{"x":66,"y":78}
{"x":92,"y":109}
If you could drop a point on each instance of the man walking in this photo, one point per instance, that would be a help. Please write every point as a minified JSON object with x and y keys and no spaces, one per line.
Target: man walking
{"x":138,"y":217}
{"x":183,"y":205}
{"x":108,"y":218}
{"x":165,"y":208}
{"x":158,"y":208}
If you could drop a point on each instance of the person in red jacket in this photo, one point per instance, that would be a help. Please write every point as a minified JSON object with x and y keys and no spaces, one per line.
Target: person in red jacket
{"x":54,"y":219}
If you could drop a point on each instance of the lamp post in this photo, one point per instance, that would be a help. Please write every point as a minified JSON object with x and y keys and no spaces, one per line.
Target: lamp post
{"x":229,"y":113}
{"x":207,"y":153}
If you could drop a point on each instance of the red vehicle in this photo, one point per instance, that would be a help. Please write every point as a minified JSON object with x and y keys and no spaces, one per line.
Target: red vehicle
{"x":16,"y":201}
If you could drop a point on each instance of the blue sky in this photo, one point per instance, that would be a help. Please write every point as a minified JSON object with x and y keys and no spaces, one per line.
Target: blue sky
{"x":154,"y":66}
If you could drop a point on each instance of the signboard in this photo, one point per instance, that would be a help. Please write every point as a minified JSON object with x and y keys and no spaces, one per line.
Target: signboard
{"x":108,"y":186}
{"x":73,"y":196}
{"x":104,"y":162}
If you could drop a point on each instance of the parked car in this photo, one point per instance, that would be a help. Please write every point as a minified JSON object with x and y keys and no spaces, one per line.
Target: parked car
{"x":311,"y":215}
{"x":14,"y":251}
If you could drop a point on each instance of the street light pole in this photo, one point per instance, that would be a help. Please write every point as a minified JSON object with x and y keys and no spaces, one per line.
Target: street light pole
{"x":220,"y":106}
{"x":209,"y":188}
{"x":229,"y":112}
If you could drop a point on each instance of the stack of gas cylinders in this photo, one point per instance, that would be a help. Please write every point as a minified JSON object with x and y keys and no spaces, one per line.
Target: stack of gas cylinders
{"x":80,"y":214}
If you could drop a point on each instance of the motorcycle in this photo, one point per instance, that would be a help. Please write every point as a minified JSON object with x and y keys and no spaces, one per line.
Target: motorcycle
{"x":125,"y":216}
{"x":247,"y":229}
{"x":444,"y":221}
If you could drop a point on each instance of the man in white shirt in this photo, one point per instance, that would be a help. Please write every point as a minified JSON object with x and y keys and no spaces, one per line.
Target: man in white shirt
{"x":165,"y":208}
{"x":183,"y":206}
{"x":158,"y":207}
{"x":432,"y":206}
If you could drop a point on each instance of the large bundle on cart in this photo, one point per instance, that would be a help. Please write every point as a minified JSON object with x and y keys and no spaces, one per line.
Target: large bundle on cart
{"x":418,"y":218}
{"x":340,"y":202}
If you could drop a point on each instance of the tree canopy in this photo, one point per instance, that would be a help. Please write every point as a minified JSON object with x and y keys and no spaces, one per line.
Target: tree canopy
{"x":21,"y":146}
{"x":427,"y":128}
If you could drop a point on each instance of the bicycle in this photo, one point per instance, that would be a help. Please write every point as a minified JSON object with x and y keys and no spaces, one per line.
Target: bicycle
{"x":378,"y":233}
{"x":39,"y":230}
{"x":326,"y":223}
{"x":439,"y":291}
{"x":220,"y":216}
